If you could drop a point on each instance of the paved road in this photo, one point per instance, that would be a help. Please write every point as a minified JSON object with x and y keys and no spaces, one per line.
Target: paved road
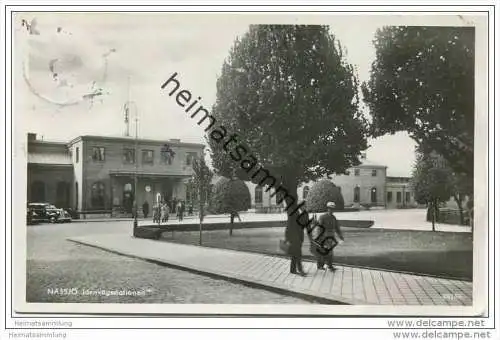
{"x":406,"y":219}
{"x":55,"y":263}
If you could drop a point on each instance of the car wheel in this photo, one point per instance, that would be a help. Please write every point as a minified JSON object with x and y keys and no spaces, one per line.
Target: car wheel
{"x":52,"y":219}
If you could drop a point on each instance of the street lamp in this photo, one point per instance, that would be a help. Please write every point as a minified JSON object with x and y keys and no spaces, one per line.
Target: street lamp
{"x":128,"y":104}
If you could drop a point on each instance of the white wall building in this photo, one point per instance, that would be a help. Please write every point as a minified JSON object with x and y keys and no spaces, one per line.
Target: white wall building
{"x":365,"y":184}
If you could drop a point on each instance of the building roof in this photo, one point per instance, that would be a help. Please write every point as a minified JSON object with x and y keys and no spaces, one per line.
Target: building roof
{"x":171,"y":141}
{"x":366,"y":163}
{"x":49,"y":158}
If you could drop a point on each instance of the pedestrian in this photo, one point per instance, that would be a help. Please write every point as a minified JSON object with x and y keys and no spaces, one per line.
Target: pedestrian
{"x":190,"y":211}
{"x":174,"y":205}
{"x":234,"y":214}
{"x":180,"y":211}
{"x":331,"y":227}
{"x":294,"y":236}
{"x":145,"y":209}
{"x":158,"y":213}
{"x":155,"y":212}
{"x":165,"y":211}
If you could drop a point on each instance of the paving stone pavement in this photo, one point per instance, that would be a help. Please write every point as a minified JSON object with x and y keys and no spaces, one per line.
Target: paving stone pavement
{"x":350,"y":285}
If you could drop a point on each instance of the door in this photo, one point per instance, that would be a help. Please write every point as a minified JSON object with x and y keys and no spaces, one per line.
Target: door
{"x":128,"y":197}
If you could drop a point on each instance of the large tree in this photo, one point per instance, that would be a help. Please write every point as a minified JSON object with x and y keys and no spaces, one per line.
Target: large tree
{"x":422,"y":82}
{"x":230,"y":196}
{"x":290,"y":98}
{"x":432,"y":182}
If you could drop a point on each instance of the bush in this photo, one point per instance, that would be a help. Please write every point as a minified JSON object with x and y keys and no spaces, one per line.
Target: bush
{"x":230,"y":195}
{"x":321,"y":193}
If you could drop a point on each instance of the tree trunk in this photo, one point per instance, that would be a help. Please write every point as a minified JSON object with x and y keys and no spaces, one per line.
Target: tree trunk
{"x":458,"y":199}
{"x":433,"y":210}
{"x":231,"y":225}
{"x":201,"y":222}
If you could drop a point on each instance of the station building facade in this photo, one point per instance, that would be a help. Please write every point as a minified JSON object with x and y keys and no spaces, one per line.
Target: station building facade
{"x":96,"y":174}
{"x":364,"y":184}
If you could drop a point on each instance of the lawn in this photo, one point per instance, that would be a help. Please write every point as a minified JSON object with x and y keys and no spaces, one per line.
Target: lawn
{"x":440,"y":254}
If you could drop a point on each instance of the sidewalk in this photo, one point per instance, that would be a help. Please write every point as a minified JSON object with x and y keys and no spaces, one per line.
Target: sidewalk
{"x":347,"y":285}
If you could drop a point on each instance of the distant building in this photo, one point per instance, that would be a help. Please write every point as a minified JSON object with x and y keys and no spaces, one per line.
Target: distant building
{"x":95,"y":174}
{"x":364,"y":184}
{"x":399,"y":193}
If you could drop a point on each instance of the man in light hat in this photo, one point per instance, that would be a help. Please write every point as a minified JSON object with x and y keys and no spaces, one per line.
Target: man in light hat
{"x":331,"y":227}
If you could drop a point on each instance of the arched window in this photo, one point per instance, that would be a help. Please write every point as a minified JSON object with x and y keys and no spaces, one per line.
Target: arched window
{"x":373,"y":195}
{"x":258,"y":195}
{"x":38,"y":191}
{"x":305,"y":192}
{"x":97,"y":195}
{"x":356,"y":193}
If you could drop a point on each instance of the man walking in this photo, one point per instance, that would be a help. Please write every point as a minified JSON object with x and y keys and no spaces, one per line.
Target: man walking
{"x":145,"y":209}
{"x":331,"y":227}
{"x":294,"y":235}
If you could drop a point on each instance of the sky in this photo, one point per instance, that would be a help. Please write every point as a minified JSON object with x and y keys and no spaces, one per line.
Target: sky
{"x":67,"y":53}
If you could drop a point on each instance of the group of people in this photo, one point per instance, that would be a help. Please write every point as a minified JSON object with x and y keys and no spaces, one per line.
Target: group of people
{"x":162,"y":210}
{"x":294,"y":236}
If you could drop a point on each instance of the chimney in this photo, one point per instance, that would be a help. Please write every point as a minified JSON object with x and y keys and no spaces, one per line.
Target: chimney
{"x":31,"y":136}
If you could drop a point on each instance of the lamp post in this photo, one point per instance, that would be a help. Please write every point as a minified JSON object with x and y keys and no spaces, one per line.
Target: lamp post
{"x":136,"y":168}
{"x":128,"y":105}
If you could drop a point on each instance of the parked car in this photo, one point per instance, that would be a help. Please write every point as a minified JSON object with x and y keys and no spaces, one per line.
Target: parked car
{"x":31,"y":217}
{"x":46,"y":212}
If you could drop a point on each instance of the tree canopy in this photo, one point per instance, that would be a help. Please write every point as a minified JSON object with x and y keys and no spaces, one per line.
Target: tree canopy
{"x":432,"y":179}
{"x":422,"y":82}
{"x":229,"y":196}
{"x":291,"y":99}
{"x":321,"y":193}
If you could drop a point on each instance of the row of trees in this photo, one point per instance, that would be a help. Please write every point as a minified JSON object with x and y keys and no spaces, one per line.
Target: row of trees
{"x":292,"y":98}
{"x":422,"y":82}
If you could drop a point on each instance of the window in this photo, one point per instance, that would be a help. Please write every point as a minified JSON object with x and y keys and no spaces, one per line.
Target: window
{"x":258,"y":195}
{"x":128,"y":156}
{"x":77,"y":155}
{"x":407,"y":197}
{"x":373,"y":194}
{"x":389,"y":196}
{"x":305,"y":191}
{"x":356,"y":194}
{"x":97,"y":195}
{"x":167,"y":154}
{"x":98,"y":154}
{"x":356,"y":172}
{"x":190,"y":157}
{"x":398,"y":197}
{"x":374,"y":173}
{"x":147,"y":157}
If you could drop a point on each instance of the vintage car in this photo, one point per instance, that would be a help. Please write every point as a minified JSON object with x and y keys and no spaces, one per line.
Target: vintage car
{"x":46,"y":212}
